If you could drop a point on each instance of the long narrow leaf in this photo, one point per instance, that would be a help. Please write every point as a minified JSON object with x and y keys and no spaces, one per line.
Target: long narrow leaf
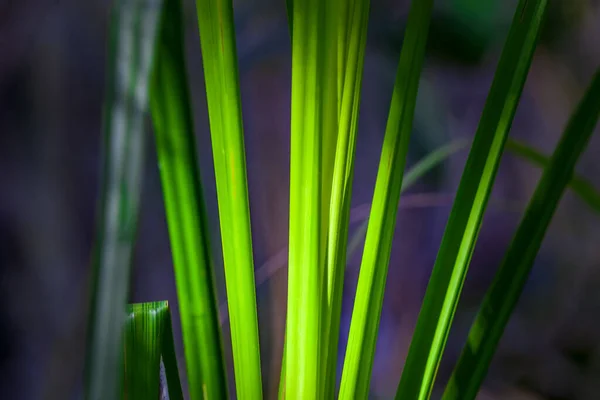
{"x":579,"y":185}
{"x":511,"y":278}
{"x":148,"y":333}
{"x":351,"y":40}
{"x":360,"y":351}
{"x":185,"y":209}
{"x":142,"y":352}
{"x":169,"y":358}
{"x":133,"y":29}
{"x":217,"y":38}
{"x":328,"y":103}
{"x":311,"y":86}
{"x":443,"y":291}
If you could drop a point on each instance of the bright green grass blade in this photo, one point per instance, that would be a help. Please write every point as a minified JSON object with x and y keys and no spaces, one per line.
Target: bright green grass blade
{"x":351,"y":36}
{"x":133,"y":29}
{"x":185,"y":209}
{"x":328,"y":114}
{"x":329,"y":133}
{"x":579,"y":185}
{"x":508,"y":284}
{"x":459,"y":238}
{"x":362,"y":338}
{"x":147,"y":334}
{"x":311,"y":86}
{"x":217,"y":38}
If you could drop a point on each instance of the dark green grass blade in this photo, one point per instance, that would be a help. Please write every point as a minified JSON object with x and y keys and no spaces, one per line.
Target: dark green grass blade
{"x":362,"y":338}
{"x":185,"y":210}
{"x":508,"y":284}
{"x":143,"y":330}
{"x":579,"y":185}
{"x":169,"y":358}
{"x":459,"y":238}
{"x":217,"y":39}
{"x":132,"y":34}
{"x":147,"y":336}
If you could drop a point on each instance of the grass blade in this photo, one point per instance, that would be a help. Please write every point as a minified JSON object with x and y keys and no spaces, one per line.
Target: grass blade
{"x":133,"y":29}
{"x":360,"y":351}
{"x":142,"y":352}
{"x":579,"y":185}
{"x":312,"y":70}
{"x":185,"y":210}
{"x":326,"y":121}
{"x":508,"y":284}
{"x":459,"y":238}
{"x":146,"y":333}
{"x":217,"y":39}
{"x":351,"y":42}
{"x":169,"y":359}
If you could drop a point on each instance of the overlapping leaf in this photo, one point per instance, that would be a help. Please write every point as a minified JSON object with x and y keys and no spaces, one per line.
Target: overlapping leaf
{"x":511,"y":278}
{"x":134,"y":25}
{"x":148,"y":340}
{"x":454,"y":255}
{"x":362,"y":338}
{"x":185,"y":210}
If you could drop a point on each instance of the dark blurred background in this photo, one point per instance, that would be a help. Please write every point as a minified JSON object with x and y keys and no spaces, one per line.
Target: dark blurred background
{"x":52,"y":71}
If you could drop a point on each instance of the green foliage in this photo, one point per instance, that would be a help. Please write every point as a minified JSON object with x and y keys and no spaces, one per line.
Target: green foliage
{"x":328,"y":50}
{"x":217,"y":38}
{"x":311,"y":80}
{"x":148,"y":340}
{"x":362,"y":338}
{"x":132,"y":33}
{"x":458,"y":242}
{"x":185,"y":210}
{"x":508,"y":284}
{"x":579,"y":185}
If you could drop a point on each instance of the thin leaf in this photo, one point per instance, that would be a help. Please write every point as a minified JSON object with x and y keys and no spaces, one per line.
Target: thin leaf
{"x":133,"y":29}
{"x":351,"y":34}
{"x":148,"y":333}
{"x":217,"y":39}
{"x":185,"y":210}
{"x":579,"y":185}
{"x":311,"y":72}
{"x":459,"y":238}
{"x":511,"y":278}
{"x":330,"y":135}
{"x":360,"y":351}
{"x":169,"y":359}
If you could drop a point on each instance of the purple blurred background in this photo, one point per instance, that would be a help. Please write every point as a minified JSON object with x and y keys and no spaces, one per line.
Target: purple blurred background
{"x":52,"y":60}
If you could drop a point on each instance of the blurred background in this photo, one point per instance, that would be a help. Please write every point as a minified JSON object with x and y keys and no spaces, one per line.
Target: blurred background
{"x":52,"y":71}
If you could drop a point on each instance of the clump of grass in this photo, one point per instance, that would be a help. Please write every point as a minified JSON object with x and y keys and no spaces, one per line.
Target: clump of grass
{"x":328,"y":48}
